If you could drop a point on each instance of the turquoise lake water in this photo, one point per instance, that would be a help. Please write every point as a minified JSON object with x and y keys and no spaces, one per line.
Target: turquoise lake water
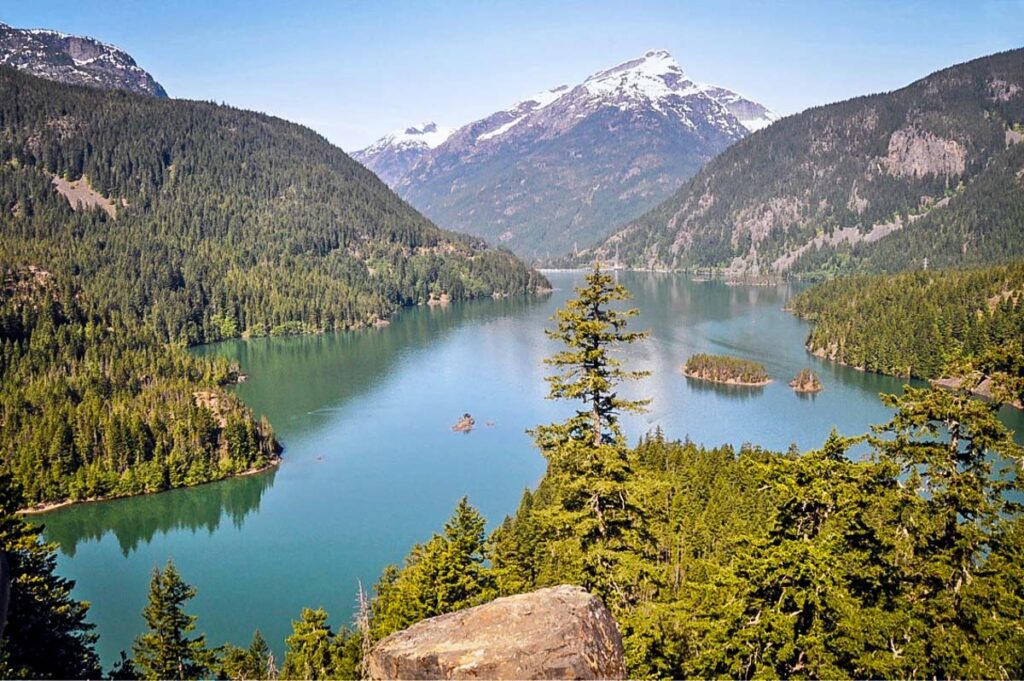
{"x":371,"y":465}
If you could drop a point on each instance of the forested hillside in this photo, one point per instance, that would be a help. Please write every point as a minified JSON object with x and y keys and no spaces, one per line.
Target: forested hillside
{"x":754,"y":564}
{"x":929,"y":173}
{"x":916,"y":323}
{"x":208,"y":222}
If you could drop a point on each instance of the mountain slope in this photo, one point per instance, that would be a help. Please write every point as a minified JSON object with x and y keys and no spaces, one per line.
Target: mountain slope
{"x":926,"y":175}
{"x":393,"y":156}
{"x":74,"y":59}
{"x":131,"y":226}
{"x":232,"y":209}
{"x":565,"y":166}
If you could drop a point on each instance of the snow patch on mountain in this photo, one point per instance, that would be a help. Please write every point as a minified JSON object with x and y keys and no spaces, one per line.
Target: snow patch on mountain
{"x":649,"y":79}
{"x":425,"y":135}
{"x":524,"y":109}
{"x":752,"y":115}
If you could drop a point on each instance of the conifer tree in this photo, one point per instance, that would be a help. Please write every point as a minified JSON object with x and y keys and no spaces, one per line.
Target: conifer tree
{"x":312,"y":648}
{"x":602,"y":542}
{"x":246,"y":664}
{"x":46,"y":634}
{"x":590,"y":330}
{"x":445,"y":574}
{"x":165,"y":651}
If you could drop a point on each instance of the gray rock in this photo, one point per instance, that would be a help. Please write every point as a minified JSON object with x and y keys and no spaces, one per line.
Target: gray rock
{"x":75,"y":60}
{"x":558,"y":633}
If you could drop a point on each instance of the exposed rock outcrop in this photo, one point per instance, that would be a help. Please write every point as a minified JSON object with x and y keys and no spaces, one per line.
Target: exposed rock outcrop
{"x":915,"y":152}
{"x":465,"y":424}
{"x":73,"y":59}
{"x":806,"y":382}
{"x":558,"y":633}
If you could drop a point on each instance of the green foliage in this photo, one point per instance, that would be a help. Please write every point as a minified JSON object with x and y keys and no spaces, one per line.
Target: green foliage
{"x":806,"y":380}
{"x":725,"y":369}
{"x":316,"y":652}
{"x":590,"y":329}
{"x":227,"y":223}
{"x":903,"y":563}
{"x":94,"y":406}
{"x":246,"y":664}
{"x":593,"y":515}
{"x":918,"y":323}
{"x":46,"y":635}
{"x":165,"y":651}
{"x":445,"y":574}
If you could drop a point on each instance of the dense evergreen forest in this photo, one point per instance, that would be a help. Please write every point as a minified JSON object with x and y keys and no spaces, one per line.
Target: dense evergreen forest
{"x":221,"y":223}
{"x":935,"y":166}
{"x":908,"y":562}
{"x":917,"y":323}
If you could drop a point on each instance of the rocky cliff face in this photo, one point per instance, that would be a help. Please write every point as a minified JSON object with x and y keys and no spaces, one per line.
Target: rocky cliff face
{"x":562,"y":168}
{"x":557,"y":633}
{"x":923,"y":176}
{"x":74,"y":59}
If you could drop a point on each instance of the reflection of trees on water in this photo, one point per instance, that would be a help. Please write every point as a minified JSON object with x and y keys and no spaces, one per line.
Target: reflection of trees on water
{"x":740,"y":392}
{"x":138,"y":519}
{"x":291,"y":377}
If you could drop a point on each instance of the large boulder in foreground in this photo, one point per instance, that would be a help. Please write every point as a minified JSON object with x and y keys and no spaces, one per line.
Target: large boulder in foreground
{"x":557,"y":633}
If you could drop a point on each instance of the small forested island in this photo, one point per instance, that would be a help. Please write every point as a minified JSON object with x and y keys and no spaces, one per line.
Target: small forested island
{"x":806,"y":382}
{"x":726,"y":369}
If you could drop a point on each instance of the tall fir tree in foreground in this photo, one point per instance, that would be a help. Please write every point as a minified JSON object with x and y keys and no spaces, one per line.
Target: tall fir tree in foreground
{"x":165,"y":651}
{"x":46,"y":635}
{"x":596,"y":521}
{"x":591,"y":329}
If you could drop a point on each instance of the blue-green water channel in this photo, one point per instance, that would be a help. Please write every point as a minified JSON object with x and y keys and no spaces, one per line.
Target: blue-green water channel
{"x":371,"y":465}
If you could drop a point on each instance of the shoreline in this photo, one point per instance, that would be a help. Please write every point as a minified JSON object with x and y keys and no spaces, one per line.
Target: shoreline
{"x":40,"y":509}
{"x":730,"y":381}
{"x":982,"y":390}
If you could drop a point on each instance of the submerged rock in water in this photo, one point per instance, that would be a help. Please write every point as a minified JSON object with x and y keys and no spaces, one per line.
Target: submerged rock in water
{"x":558,"y":633}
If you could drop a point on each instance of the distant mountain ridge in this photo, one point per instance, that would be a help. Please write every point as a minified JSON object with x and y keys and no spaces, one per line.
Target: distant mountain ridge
{"x":75,"y":60}
{"x":393,"y":156}
{"x":564,"y":167}
{"x":930,"y":175}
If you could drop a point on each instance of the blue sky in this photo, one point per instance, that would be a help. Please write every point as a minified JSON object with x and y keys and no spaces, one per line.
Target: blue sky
{"x":356,"y":70}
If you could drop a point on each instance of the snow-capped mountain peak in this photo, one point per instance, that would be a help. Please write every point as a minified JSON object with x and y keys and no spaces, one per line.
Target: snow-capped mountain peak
{"x":393,"y":155}
{"x":426,"y":135}
{"x":565,"y":166}
{"x":652,"y":77}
